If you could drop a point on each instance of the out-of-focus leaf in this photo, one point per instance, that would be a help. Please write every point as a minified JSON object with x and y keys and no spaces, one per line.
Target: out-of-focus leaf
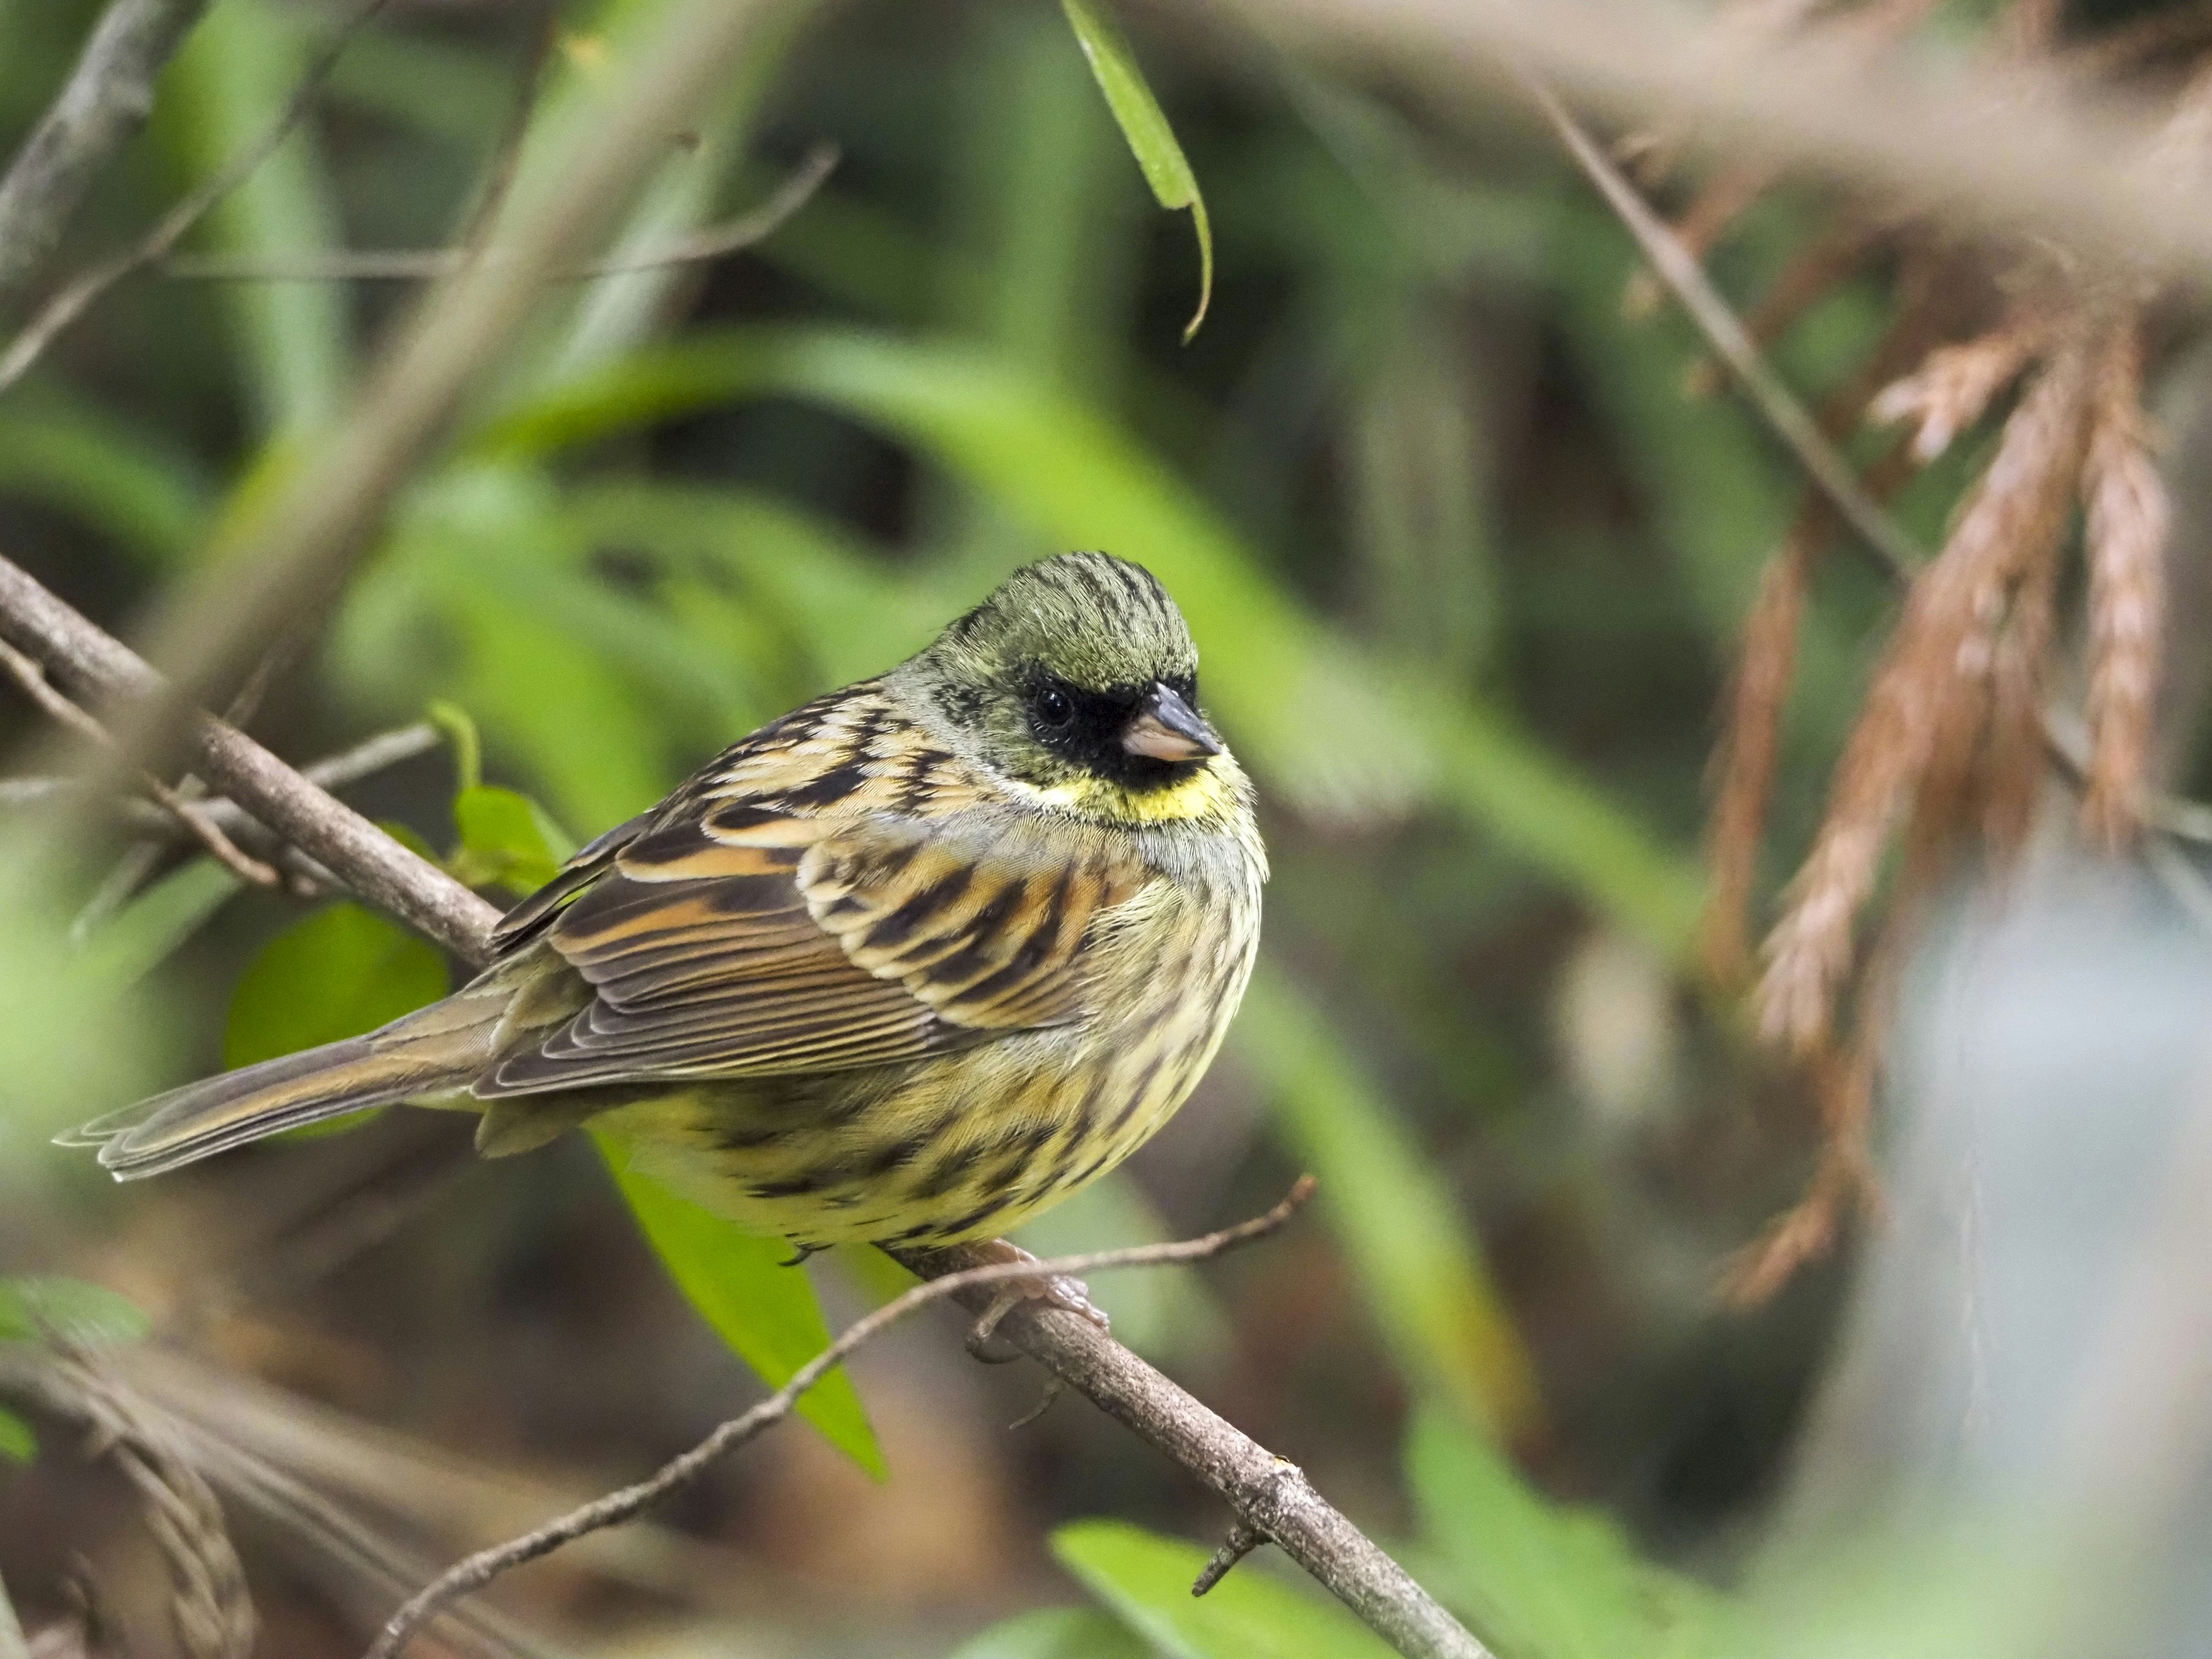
{"x":130,"y":943}
{"x":507,"y":839}
{"x":12,"y":1644}
{"x":32,"y":1310}
{"x":1339,"y":733}
{"x":765,"y":1310}
{"x":1145,"y":125}
{"x":1145,"y":1579}
{"x":460,"y":729}
{"x":445,"y":92}
{"x":18,"y":1444}
{"x":120,"y":480}
{"x":1058,"y":1633}
{"x":1537,"y":1581}
{"x":237,"y":70}
{"x":1421,"y":1270}
{"x":336,"y":973}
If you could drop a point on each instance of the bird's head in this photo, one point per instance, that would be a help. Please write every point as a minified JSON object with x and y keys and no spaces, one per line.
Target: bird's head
{"x":1077,"y":678}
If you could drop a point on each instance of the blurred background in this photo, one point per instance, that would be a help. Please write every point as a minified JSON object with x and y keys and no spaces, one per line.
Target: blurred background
{"x":1468,"y":539}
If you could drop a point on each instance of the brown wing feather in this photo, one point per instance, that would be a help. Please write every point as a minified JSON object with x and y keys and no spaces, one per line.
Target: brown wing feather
{"x":805,"y":905}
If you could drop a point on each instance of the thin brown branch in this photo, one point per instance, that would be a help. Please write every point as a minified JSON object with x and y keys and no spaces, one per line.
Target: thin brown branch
{"x":189,"y":816}
{"x":473,"y":1573}
{"x":106,"y":99}
{"x":423,"y":265}
{"x":76,"y":297}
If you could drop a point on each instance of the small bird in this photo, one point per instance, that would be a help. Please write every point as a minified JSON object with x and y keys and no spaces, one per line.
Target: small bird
{"x":903,"y":967}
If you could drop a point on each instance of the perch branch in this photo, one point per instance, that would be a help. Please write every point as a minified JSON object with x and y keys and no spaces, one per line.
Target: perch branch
{"x":1273,"y":1495}
{"x":105,"y":101}
{"x":476,"y":1571}
{"x":423,"y":264}
{"x":77,"y":295}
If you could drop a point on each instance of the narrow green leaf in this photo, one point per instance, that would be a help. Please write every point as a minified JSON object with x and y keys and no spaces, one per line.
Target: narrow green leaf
{"x":31,"y":1309}
{"x":1421,"y":1269}
{"x":1145,"y":1579}
{"x":765,"y":1310}
{"x":507,"y":839}
{"x":141,"y":935}
{"x":1058,"y":1633}
{"x":1144,"y":125}
{"x":18,"y":1444}
{"x":336,"y":973}
{"x":1539,"y":1581}
{"x":115,"y":476}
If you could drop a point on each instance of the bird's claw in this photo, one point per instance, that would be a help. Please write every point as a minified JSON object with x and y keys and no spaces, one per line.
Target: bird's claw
{"x":1053,"y":1290}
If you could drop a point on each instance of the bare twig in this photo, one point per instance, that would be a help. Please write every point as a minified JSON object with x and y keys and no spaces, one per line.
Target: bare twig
{"x":421,"y":264}
{"x":1243,"y":1538}
{"x":472,"y":1574}
{"x":188,"y":815}
{"x":71,"y":302}
{"x":106,"y":99}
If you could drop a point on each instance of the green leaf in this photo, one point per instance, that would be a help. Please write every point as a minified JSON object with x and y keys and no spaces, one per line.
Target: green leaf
{"x":1144,"y":125}
{"x":118,"y":479}
{"x":338,"y":973}
{"x":31,"y":1309}
{"x":1145,"y":1579}
{"x":1539,"y":1581}
{"x":507,"y":841}
{"x":1421,"y":1268}
{"x":460,"y":729}
{"x":765,"y":1310}
{"x":1057,"y":1633}
{"x":18,"y":1444}
{"x":140,"y":936}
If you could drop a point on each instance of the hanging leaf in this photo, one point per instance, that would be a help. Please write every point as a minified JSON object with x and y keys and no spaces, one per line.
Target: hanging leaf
{"x":764,"y":1310}
{"x":1145,"y":1579}
{"x":1145,"y":126}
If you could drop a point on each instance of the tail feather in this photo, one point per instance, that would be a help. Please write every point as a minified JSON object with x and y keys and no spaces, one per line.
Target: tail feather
{"x":202,"y":1119}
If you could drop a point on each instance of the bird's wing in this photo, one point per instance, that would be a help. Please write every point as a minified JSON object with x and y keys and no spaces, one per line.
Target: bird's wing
{"x":809,"y":903}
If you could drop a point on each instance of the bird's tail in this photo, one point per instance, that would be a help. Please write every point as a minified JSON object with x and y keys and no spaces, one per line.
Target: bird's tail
{"x":428,"y":1053}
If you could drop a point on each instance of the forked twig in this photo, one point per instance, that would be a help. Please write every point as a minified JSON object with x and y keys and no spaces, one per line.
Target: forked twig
{"x":191,"y":815}
{"x":475,"y":1571}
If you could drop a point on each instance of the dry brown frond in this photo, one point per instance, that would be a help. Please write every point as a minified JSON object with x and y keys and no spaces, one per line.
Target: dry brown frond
{"x":1955,"y":383}
{"x":1805,"y":1232}
{"x":2018,"y":505}
{"x":2128,"y":517}
{"x":2016,"y":761}
{"x":1749,"y":741}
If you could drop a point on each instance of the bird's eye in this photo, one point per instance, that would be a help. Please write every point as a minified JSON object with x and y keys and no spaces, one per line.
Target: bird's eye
{"x":1054,"y":706}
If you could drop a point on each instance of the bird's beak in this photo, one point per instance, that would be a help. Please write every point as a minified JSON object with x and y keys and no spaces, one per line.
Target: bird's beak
{"x":1167,"y":728}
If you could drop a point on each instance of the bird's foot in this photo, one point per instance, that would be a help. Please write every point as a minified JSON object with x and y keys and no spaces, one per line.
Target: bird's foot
{"x":1053,"y":1290}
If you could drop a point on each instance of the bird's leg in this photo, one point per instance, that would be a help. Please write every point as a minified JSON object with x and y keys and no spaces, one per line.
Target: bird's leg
{"x":1054,"y":1290}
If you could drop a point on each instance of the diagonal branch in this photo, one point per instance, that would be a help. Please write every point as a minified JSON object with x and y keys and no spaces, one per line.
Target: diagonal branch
{"x":1271,"y":1494}
{"x":106,"y":99}
{"x":476,"y":1570}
